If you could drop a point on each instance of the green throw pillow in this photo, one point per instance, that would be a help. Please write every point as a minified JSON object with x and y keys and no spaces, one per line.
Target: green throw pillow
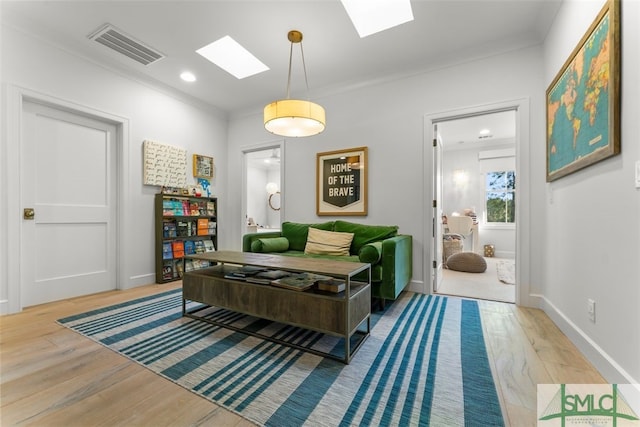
{"x":297,"y":233}
{"x":274,"y":244}
{"x":364,"y":234}
{"x":371,"y":252}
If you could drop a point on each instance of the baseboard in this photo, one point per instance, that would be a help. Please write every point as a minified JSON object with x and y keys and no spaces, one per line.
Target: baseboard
{"x":505,"y":254}
{"x":602,"y":361}
{"x":417,"y":286}
{"x":4,"y":307}
{"x":140,"y":280}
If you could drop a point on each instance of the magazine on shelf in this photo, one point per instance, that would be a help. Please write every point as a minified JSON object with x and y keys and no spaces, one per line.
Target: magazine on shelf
{"x":208,"y":246}
{"x":256,"y":279}
{"x":299,"y":281}
{"x":272,"y":274}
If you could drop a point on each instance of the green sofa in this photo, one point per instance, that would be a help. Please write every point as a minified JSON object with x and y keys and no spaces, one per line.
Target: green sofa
{"x":389,"y":253}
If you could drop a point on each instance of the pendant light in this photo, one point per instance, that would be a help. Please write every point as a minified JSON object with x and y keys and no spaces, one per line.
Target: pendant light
{"x":294,"y":117}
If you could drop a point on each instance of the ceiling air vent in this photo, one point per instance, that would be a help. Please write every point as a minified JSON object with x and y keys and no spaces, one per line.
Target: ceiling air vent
{"x":113,"y":38}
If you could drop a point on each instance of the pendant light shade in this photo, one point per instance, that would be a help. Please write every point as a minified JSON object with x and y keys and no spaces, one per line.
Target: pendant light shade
{"x":294,"y":117}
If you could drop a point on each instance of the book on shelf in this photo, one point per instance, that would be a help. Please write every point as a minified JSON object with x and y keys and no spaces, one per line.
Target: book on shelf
{"x":272,"y":274}
{"x":182,"y":207}
{"x":258,"y":280}
{"x":179,"y":269}
{"x":199,"y":246}
{"x":332,"y":285}
{"x":203,"y":226}
{"x":178,"y":248}
{"x":188,"y":265}
{"x":211,"y":209}
{"x":169,"y":229}
{"x":167,"y":251}
{"x":246,"y":271}
{"x":182,"y":229}
{"x":200,"y":263}
{"x":167,"y":207}
{"x":167,"y":270}
{"x":194,"y":210}
{"x":189,"y":247}
{"x":209,"y":246}
{"x":202,"y":208}
{"x":300,"y":281}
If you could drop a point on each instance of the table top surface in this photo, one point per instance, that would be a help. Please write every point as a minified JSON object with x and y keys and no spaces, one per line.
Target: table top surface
{"x":317,"y":265}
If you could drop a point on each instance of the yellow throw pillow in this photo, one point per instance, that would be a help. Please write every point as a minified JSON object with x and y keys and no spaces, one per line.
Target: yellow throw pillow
{"x":321,"y":242}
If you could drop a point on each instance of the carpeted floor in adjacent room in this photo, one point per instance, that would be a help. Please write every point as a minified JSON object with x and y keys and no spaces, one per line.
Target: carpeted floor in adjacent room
{"x":478,"y":285}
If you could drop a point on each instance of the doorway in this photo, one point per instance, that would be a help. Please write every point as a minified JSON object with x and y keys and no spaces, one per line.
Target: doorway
{"x":475,"y":176}
{"x":263,"y":189}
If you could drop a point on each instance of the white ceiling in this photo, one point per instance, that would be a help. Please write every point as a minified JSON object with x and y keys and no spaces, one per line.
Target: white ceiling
{"x":443,"y":32}
{"x":464,"y":133}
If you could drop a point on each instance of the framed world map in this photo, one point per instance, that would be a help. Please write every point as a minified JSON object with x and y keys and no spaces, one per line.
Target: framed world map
{"x":583,"y":101}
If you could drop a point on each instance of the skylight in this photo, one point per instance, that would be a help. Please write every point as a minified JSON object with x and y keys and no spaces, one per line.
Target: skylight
{"x":372,"y":16}
{"x":229,"y":55}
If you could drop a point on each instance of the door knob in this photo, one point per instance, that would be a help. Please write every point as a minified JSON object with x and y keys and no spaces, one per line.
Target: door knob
{"x":29,"y":213}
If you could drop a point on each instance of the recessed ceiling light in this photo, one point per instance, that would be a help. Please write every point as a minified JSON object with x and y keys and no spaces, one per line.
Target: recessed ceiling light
{"x":229,"y":55}
{"x":485,"y":133}
{"x":188,"y":76}
{"x":373,"y":16}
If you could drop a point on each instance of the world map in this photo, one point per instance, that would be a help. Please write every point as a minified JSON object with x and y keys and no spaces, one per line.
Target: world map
{"x":577,"y":104}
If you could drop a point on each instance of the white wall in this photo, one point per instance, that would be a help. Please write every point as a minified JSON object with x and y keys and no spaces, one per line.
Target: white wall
{"x":458,"y":196}
{"x":39,"y":66}
{"x":257,"y":197}
{"x":592,"y":235}
{"x":389,"y":119}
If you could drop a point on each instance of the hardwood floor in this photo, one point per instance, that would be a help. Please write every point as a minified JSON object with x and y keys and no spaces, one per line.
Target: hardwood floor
{"x":51,"y":376}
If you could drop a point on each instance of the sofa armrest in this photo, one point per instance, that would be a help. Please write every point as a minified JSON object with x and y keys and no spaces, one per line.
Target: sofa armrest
{"x":397,"y":265}
{"x":249,"y":238}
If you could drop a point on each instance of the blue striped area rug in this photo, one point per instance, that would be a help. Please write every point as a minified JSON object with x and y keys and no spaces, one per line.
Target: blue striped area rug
{"x":425,"y":363}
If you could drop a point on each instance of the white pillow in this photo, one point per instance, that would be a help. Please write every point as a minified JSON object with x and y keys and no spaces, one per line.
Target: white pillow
{"x":321,"y":242}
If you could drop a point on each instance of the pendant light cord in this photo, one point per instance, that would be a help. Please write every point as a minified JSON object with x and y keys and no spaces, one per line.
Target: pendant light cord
{"x":304,"y":67}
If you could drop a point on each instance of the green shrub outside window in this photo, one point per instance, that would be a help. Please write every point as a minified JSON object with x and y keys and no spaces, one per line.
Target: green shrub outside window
{"x":500,"y":197}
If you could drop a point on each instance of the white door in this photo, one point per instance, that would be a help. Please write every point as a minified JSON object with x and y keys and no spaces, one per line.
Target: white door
{"x":437,"y":209}
{"x":68,"y":247}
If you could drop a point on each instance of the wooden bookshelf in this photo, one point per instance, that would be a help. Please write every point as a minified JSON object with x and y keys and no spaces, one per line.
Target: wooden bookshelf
{"x":184,"y":225}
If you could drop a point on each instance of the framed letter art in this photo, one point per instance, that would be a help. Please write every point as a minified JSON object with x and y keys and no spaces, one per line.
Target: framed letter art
{"x":202,"y":166}
{"x":583,"y":101}
{"x":341,"y":182}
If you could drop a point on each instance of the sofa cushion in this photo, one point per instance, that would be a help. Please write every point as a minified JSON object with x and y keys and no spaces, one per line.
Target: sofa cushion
{"x":327,"y":242}
{"x":297,"y":233}
{"x":468,"y":262}
{"x":364,"y":234}
{"x":274,"y":244}
{"x":370,"y":253}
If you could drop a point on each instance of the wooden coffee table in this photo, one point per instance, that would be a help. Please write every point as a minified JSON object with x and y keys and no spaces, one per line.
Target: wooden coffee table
{"x":346,"y":315}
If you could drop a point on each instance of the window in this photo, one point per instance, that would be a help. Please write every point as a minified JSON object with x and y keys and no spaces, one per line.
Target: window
{"x":500,"y":197}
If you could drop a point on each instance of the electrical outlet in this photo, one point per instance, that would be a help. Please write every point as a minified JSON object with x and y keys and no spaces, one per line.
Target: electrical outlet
{"x":591,"y":310}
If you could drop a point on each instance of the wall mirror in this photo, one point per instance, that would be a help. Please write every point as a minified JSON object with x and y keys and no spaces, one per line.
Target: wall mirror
{"x":274,"y":201}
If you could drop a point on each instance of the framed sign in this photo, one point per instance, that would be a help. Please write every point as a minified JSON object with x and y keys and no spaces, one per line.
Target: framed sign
{"x":583,"y":101}
{"x":341,"y":182}
{"x":202,"y":166}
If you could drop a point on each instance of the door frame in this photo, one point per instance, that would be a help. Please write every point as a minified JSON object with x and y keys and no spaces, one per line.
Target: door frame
{"x":261,"y":147}
{"x":523,"y":238}
{"x":11,"y":249}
